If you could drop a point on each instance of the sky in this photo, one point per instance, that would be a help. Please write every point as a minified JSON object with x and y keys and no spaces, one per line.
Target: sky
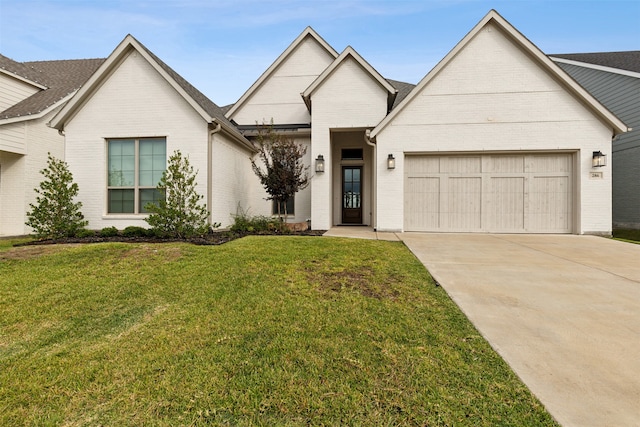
{"x":223,"y":46}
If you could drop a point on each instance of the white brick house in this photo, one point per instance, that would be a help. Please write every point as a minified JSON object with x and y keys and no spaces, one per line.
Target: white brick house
{"x":496,"y":138}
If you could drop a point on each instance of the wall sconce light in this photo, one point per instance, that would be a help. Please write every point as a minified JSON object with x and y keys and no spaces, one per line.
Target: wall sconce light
{"x":320,"y":164}
{"x":599,"y":159}
{"x":391,"y":162}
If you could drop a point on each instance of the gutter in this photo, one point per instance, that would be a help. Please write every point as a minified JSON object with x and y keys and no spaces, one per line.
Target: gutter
{"x":374,"y":178}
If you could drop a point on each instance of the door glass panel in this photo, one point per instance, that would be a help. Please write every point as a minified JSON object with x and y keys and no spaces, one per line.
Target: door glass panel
{"x":351,"y":193}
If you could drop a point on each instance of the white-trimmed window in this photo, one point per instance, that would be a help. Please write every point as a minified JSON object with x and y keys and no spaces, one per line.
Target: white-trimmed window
{"x":135,"y":167}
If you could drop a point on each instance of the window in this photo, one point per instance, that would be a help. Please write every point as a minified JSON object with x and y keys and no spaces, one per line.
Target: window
{"x":352,"y":154}
{"x":135,"y":169}
{"x":290,"y":204}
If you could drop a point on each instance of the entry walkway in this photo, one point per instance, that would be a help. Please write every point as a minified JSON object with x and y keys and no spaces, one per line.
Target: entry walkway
{"x":562,"y":310}
{"x":360,"y":232}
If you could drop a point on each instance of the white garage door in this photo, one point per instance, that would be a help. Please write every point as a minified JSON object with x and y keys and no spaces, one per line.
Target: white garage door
{"x":524,"y":193}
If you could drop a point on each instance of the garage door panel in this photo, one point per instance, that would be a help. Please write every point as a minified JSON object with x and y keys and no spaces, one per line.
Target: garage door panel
{"x":504,"y":164}
{"x":462,"y":201}
{"x":528,"y":193}
{"x":550,"y":208}
{"x":461,"y":164}
{"x":505,"y":204}
{"x":422,"y":212}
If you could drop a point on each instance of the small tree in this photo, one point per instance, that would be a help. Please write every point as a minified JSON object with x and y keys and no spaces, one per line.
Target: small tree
{"x":55,"y":215}
{"x":284,"y":173}
{"x":179,"y":213}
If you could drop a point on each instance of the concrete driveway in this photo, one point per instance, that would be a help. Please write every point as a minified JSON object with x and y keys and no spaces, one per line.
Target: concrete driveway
{"x":562,"y":310}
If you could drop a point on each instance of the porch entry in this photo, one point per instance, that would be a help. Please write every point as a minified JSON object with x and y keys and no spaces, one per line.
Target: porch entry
{"x":352,"y":194}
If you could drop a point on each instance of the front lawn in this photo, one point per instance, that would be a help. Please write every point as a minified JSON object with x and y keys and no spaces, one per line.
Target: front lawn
{"x":259,"y":331}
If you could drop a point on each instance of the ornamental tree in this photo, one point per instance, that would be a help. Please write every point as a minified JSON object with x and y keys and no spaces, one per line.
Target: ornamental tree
{"x":179,"y":213}
{"x":55,"y":215}
{"x":284,"y":173}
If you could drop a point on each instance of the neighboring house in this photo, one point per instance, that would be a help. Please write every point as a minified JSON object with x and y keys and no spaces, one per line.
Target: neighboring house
{"x":496,"y":138}
{"x":613,"y":78}
{"x":30,"y":95}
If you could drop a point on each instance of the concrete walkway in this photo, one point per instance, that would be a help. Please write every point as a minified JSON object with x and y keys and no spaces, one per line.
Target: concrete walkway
{"x":360,"y":232}
{"x":562,"y":310}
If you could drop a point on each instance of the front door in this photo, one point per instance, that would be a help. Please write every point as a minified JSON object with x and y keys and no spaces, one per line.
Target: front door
{"x":352,"y":194}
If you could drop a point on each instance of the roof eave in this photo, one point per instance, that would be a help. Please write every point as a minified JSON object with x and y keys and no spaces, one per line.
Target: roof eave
{"x":23,"y":79}
{"x":235,"y":135}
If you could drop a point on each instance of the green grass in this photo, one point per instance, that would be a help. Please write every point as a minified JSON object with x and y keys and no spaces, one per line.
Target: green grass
{"x":261,"y":331}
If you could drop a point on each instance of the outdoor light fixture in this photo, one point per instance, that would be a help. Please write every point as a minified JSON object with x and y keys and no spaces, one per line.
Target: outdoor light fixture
{"x":599,"y":159}
{"x":391,"y":162}
{"x":320,"y":163}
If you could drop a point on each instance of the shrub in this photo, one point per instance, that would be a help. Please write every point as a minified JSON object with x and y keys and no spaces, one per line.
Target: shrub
{"x":243,"y":223}
{"x":134,"y":231}
{"x":179,"y":213}
{"x":108,"y":232}
{"x":55,"y":215}
{"x":85,"y":233}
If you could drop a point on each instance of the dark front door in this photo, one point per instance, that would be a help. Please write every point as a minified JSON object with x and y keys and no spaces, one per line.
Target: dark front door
{"x":352,"y":194}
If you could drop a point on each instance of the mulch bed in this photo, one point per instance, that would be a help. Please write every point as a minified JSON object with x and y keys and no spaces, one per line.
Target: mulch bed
{"x":214,"y":238}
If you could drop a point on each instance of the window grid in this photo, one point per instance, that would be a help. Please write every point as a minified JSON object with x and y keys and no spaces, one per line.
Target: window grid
{"x":135,"y":167}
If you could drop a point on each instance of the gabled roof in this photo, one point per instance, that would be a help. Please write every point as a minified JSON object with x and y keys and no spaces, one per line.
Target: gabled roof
{"x":627,"y":63}
{"x":535,"y":53}
{"x":349,"y":52}
{"x":308,"y":32}
{"x":209,"y":111}
{"x":56,"y":81}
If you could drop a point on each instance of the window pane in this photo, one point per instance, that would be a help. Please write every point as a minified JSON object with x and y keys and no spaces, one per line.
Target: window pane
{"x":352,"y":154}
{"x":290,"y":204}
{"x":152,"y":161}
{"x":121,"y":163}
{"x":121,"y":201}
{"x":149,"y":196}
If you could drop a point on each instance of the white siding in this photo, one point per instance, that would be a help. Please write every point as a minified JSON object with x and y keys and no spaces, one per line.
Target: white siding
{"x":349,"y":98}
{"x":13,"y":91}
{"x":493,"y":97}
{"x":135,"y":101}
{"x":279,"y":96}
{"x":13,"y":137}
{"x":19,"y":174}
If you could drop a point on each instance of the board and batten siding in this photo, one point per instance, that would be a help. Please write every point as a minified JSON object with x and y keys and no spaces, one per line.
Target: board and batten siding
{"x":349,"y":98}
{"x":133,"y":102}
{"x":621,"y":95}
{"x":493,"y":97}
{"x":13,"y":91}
{"x":279,"y":96}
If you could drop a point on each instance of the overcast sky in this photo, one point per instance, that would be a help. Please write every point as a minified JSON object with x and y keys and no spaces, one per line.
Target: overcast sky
{"x":222,"y":46}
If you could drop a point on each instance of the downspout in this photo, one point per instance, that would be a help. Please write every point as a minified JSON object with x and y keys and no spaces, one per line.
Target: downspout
{"x":210,"y":167}
{"x":374,"y":178}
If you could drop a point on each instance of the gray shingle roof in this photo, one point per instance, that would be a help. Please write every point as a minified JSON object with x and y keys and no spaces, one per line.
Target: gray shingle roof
{"x":403,"y":90}
{"x":628,"y":60}
{"x":209,"y":106}
{"x":60,"y":78}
